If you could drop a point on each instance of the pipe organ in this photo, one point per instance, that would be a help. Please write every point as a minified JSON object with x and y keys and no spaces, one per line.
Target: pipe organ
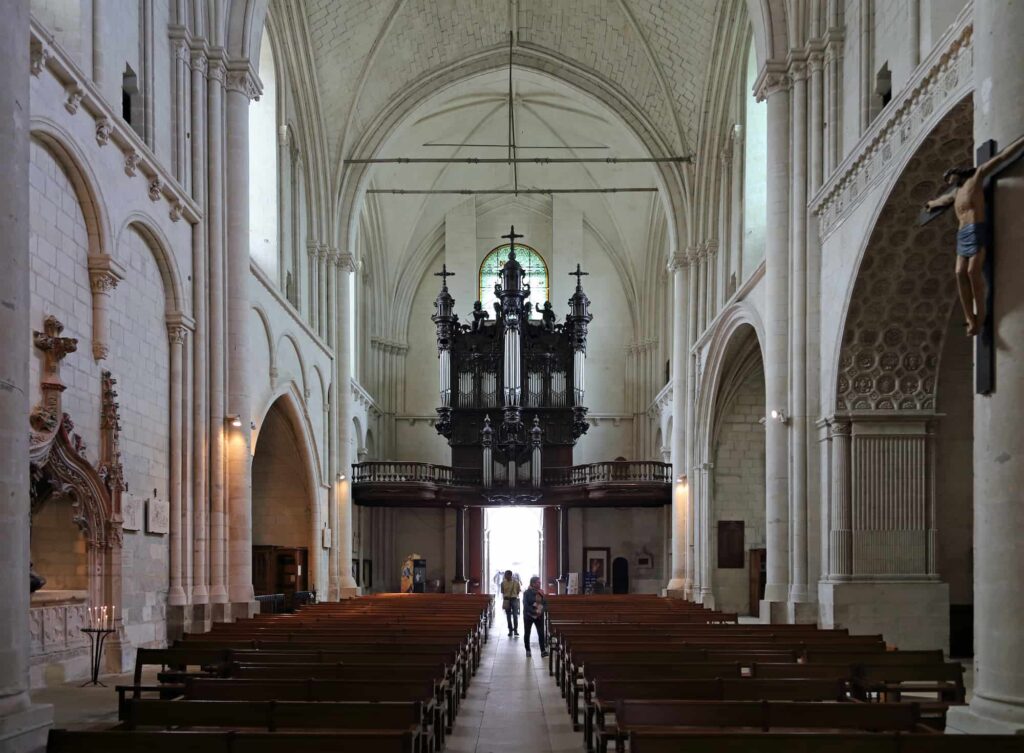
{"x":506,"y":408}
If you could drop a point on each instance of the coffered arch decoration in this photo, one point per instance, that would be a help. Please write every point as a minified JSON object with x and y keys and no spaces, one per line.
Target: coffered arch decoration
{"x":897,"y":316}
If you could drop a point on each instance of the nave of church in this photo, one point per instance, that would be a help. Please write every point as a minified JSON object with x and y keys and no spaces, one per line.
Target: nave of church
{"x":309,"y":303}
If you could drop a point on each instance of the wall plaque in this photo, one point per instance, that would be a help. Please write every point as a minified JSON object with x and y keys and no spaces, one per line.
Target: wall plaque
{"x":131,"y":510}
{"x":158,"y":516}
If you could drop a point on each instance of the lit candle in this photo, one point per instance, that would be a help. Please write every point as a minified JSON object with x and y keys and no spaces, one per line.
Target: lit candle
{"x":89,"y":616}
{"x":113,"y":615}
{"x":103,"y":622}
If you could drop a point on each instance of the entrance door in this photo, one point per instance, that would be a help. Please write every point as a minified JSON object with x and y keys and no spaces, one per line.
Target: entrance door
{"x":620,"y":575}
{"x":758,"y":576}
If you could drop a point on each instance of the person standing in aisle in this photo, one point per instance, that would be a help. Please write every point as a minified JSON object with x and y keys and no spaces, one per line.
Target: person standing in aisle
{"x":510,"y":602}
{"x":534,"y":604}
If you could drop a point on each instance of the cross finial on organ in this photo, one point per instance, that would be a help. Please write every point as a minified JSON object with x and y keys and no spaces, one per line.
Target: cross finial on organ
{"x":511,"y":237}
{"x":444,"y":274}
{"x":579,"y":274}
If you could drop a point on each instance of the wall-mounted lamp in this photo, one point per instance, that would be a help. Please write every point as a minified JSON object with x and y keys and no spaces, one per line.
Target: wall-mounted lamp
{"x":779,"y":416}
{"x":681,"y":479}
{"x":235,"y":421}
{"x":341,"y":477}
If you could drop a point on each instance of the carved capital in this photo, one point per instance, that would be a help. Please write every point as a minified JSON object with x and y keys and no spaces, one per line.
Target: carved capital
{"x":771,"y":83}
{"x":840,"y":429}
{"x":103,"y":130}
{"x":345,"y":261}
{"x":678,"y":261}
{"x":199,"y":62}
{"x":181,"y":51}
{"x":798,"y":70}
{"x":104,"y":273}
{"x":243,"y":82}
{"x":131,"y":162}
{"x":216,"y":71}
{"x":176,"y":334}
{"x":156,"y":189}
{"x":816,"y":62}
{"x":74,"y":98}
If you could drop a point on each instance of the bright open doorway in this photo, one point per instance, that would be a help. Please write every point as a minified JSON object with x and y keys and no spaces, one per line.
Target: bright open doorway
{"x":513,"y":539}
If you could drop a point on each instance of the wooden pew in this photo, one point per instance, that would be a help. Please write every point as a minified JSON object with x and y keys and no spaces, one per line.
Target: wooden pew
{"x":281,"y":715}
{"x":121,"y":741}
{"x":607,"y":694}
{"x":667,"y":740}
{"x":764,"y":715}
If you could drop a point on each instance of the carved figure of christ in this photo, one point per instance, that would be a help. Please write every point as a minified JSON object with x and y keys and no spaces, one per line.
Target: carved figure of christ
{"x":968,"y":201}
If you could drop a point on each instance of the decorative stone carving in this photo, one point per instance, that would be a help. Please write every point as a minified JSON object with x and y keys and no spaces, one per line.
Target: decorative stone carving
{"x":199,"y":62}
{"x":243,"y":82}
{"x":902,"y":297}
{"x":944,"y":79}
{"x":156,"y":189}
{"x":103,"y":130}
{"x":46,"y":415}
{"x":131,"y":162}
{"x":216,"y":71}
{"x":177,"y":210}
{"x":345,"y":261}
{"x":176,"y":334}
{"x":74,"y":98}
{"x":38,"y":56}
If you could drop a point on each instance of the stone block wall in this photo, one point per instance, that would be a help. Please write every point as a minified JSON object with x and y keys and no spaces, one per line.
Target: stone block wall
{"x":738,"y":487}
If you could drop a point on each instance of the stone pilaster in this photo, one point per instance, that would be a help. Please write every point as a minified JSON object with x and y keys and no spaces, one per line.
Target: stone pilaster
{"x":23,"y":725}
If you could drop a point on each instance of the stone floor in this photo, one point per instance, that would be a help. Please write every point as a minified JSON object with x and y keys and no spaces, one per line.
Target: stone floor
{"x":512,"y":704}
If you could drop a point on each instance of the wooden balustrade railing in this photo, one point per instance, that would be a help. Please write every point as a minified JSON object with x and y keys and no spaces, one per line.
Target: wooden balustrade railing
{"x":631,"y":471}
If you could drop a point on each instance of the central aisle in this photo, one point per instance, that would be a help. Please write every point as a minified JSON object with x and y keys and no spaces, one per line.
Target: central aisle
{"x":513,"y":705}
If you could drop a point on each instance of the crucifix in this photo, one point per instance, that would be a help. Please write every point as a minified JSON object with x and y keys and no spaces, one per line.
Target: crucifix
{"x":46,"y":416}
{"x":511,"y":236}
{"x":973,"y":199}
{"x":444,"y":274}
{"x":578,"y":274}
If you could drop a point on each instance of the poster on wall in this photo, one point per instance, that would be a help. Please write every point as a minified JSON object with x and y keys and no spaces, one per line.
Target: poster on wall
{"x":573,"y":586}
{"x":596,"y":572}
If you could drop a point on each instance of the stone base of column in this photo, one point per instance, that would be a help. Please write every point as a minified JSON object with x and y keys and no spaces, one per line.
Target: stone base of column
{"x":706,"y":598}
{"x":24,"y":731}
{"x":460,"y":586}
{"x":985,"y":717}
{"x":675,"y":593}
{"x":801,"y":612}
{"x":908,"y":614}
{"x":676,"y":584}
{"x":242,"y":610}
{"x":772,"y":612}
{"x":179,"y":621}
{"x":202,"y":618}
{"x":350,"y":592}
{"x":220,"y":612}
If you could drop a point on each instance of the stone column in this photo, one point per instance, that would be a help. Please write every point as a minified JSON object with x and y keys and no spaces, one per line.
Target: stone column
{"x":241,"y":88}
{"x":677,"y":585}
{"x":797,"y":403}
{"x":175,"y":593}
{"x":104,"y":274}
{"x":774,"y":86}
{"x":563,"y":547}
{"x":459,"y":583}
{"x":22,"y":725}
{"x":998,"y":701}
{"x":343,"y":395}
{"x":201,"y":371}
{"x":216,"y":288}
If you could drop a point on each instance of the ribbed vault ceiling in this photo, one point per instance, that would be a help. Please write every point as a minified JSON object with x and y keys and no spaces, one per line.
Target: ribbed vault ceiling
{"x":655,"y":52}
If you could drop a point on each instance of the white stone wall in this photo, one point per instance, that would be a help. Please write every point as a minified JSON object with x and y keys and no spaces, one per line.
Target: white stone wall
{"x":738,"y":488}
{"x":954,"y":463}
{"x":629,"y":532}
{"x":281,"y":498}
{"x":138,"y":359}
